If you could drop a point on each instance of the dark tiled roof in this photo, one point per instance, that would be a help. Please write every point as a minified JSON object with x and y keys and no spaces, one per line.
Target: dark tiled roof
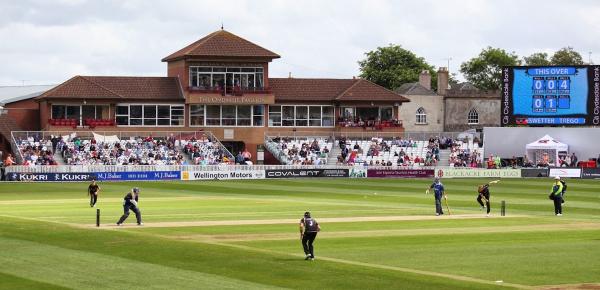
{"x":414,"y":89}
{"x":466,"y":86}
{"x":308,"y":89}
{"x":222,"y":43}
{"x":294,"y":89}
{"x":112,"y":87}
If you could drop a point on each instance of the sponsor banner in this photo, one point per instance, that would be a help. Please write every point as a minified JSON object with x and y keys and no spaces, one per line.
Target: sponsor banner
{"x":139,"y":175}
{"x":535,"y":172}
{"x":565,"y":172}
{"x":358,"y":172}
{"x":220,"y":175}
{"x":590,"y":173}
{"x":401,"y":173}
{"x":301,"y":173}
{"x":473,"y":172}
{"x":35,"y":177}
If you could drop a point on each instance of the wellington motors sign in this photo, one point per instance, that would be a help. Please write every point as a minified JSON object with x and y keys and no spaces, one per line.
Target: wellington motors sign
{"x":222,"y":175}
{"x":473,"y":172}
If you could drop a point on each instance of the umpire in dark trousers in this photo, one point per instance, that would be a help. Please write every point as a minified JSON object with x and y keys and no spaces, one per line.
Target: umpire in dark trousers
{"x":308,"y":232}
{"x":130,"y":202}
{"x":556,"y":196}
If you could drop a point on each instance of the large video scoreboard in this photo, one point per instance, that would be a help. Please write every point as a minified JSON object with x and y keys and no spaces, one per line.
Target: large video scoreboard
{"x":551,"y":96}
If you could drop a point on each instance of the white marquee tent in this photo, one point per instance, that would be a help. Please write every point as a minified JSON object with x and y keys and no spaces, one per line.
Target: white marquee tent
{"x":546,"y":145}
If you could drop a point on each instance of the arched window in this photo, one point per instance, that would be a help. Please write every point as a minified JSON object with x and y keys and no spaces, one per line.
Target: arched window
{"x":421,"y":116}
{"x":473,"y":117}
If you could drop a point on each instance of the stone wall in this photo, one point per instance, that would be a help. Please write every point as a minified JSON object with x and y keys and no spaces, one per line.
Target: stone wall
{"x":434,"y":108}
{"x":457,"y":111}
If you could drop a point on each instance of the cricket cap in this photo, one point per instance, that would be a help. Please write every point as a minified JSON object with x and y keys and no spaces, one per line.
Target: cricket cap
{"x":307,"y":214}
{"x":557,"y":178}
{"x":136,"y":190}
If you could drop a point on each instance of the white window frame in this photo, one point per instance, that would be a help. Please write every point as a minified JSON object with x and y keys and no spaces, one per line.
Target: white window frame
{"x":473,"y":115}
{"x":343,"y":111}
{"x":332,"y":116}
{"x":128,"y":105}
{"x":421,"y":116}
{"x":221,"y":117}
{"x":269,"y":123}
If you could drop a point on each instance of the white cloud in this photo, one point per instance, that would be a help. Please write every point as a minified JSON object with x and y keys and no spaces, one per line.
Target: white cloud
{"x":48,"y":42}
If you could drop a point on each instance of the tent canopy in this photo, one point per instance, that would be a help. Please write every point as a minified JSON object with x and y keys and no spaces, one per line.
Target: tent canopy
{"x":547,"y":142}
{"x":546,"y":148}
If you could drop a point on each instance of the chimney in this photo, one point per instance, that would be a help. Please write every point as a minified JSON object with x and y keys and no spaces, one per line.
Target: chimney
{"x":442,"y":80}
{"x":289,"y":75}
{"x":425,"y":79}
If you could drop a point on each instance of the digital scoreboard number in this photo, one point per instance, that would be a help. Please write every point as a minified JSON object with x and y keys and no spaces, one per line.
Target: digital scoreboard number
{"x":553,"y":95}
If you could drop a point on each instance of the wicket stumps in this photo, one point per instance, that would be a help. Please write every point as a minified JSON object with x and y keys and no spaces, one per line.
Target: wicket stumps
{"x":97,"y":217}
{"x":503,"y":208}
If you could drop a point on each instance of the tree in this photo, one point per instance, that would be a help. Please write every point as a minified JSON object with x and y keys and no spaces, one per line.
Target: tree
{"x":485,"y":70}
{"x":392,"y":66}
{"x":537,"y":59}
{"x":567,"y":56}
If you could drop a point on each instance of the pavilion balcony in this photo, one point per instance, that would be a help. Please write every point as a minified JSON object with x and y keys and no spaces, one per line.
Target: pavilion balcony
{"x":230,"y":90}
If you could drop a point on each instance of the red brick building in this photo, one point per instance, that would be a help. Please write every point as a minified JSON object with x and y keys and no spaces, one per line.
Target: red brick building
{"x":221,"y":84}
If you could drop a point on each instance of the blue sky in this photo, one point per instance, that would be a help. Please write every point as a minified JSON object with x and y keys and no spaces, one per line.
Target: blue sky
{"x":46,"y":42}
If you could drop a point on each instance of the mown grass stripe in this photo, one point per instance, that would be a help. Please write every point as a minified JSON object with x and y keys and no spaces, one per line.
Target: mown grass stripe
{"x":86,"y":270}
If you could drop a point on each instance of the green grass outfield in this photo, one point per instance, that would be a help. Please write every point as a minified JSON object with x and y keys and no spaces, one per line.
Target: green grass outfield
{"x":377,"y":234}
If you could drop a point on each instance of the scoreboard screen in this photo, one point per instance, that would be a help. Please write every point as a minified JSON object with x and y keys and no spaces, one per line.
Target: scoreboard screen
{"x":550,"y":96}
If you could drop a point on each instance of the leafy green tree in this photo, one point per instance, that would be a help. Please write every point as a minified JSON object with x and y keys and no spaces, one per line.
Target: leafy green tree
{"x":537,"y":59}
{"x":567,"y":56}
{"x":391,"y":66}
{"x":485,"y":70}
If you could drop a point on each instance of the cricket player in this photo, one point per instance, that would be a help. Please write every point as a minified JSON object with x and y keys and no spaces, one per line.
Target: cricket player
{"x":93,"y":191}
{"x":130,"y":202}
{"x":438,"y":190}
{"x":309,"y":228}
{"x":556,"y":195}
{"x":484,"y":195}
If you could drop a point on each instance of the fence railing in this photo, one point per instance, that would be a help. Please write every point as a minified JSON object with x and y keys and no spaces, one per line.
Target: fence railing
{"x":367,"y":135}
{"x":46,"y":135}
{"x":150,"y":168}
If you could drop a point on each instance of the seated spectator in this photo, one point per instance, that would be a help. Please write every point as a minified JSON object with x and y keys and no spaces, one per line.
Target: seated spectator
{"x":9,"y":160}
